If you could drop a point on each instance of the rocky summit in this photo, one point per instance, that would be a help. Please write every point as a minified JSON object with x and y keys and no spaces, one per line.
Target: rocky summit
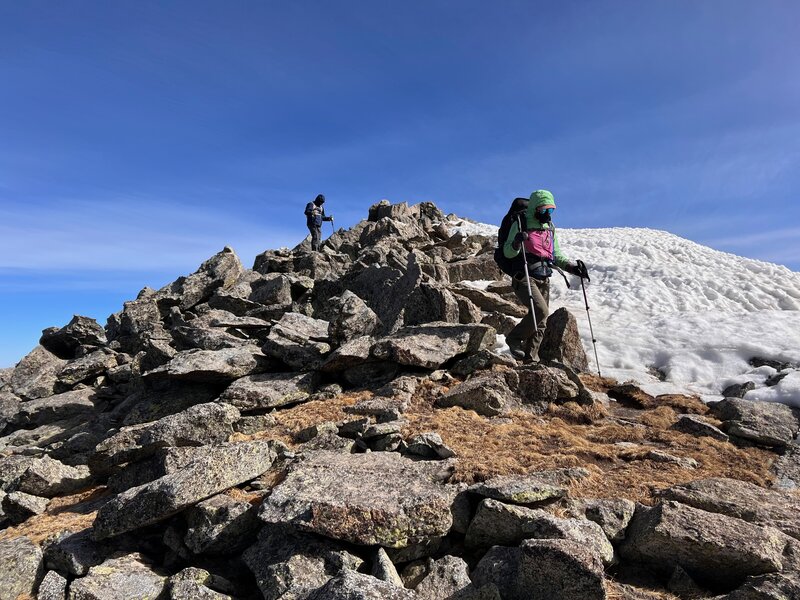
{"x":342,"y":424}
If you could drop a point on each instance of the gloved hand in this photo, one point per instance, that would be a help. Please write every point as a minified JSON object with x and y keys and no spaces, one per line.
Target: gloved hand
{"x":581,"y":270}
{"x":518,"y":239}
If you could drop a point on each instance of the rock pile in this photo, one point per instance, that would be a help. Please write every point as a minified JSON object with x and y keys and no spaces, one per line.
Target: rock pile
{"x":159,"y":424}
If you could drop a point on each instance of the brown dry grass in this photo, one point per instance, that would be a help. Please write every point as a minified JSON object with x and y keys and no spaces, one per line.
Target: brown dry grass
{"x":290,"y":421}
{"x":69,"y":513}
{"x":568,"y":435}
{"x":571,"y":435}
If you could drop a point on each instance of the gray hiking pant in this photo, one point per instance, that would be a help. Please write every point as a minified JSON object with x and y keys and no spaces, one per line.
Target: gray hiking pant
{"x":316,"y":235}
{"x":525,"y":333}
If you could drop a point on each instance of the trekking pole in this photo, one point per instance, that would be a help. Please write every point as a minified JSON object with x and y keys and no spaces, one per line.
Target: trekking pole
{"x":582,"y":267}
{"x":530,"y":290}
{"x":333,"y":229}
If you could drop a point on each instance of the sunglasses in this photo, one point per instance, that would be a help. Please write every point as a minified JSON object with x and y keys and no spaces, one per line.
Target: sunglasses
{"x":548,"y":211}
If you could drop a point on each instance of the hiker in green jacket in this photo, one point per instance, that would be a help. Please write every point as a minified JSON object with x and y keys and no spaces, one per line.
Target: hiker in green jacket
{"x":543,"y":253}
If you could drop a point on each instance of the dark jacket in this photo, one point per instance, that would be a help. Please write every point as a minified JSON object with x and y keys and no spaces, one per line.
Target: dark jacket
{"x":315,"y":215}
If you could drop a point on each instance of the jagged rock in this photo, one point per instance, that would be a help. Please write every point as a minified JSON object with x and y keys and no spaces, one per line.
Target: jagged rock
{"x":612,"y":514}
{"x":487,"y":394}
{"x":542,"y":570}
{"x":119,"y":578}
{"x":137,"y":326}
{"x":467,"y":311}
{"x":775,"y":586}
{"x":330,"y":442}
{"x":480,"y":361}
{"x":741,"y":500}
{"x":223,"y":467}
{"x":20,"y":568}
{"x":288,"y":564}
{"x":248,"y":425}
{"x":19,"y":506}
{"x":77,"y":403}
{"x":344,"y":496}
{"x":503,"y":324}
{"x":155,"y":399}
{"x":86,"y":367}
{"x":36,"y":375}
{"x":350,"y":585}
{"x":430,"y":346}
{"x":541,"y":385}
{"x":53,"y":587}
{"x":660,"y":456}
{"x":213,"y":366}
{"x":73,"y":554}
{"x":9,"y":407}
{"x":209,"y":423}
{"x":220,"y":525}
{"x":270,"y":390}
{"x":428,"y":445}
{"x":501,"y":524}
{"x":220,"y":271}
{"x":42,"y":436}
{"x":298,"y":340}
{"x":712,"y":548}
{"x":352,"y":318}
{"x":682,"y":585}
{"x":431,"y":302}
{"x":77,"y":338}
{"x":383,"y":569}
{"x":698,"y":426}
{"x":190,"y":338}
{"x":11,"y":468}
{"x":489,"y":301}
{"x":787,"y":468}
{"x":194,"y":584}
{"x":350,"y":354}
{"x":384,"y":208}
{"x":383,"y":409}
{"x":767,"y":423}
{"x":562,"y":341}
{"x":48,"y":477}
{"x":738,"y":390}
{"x":531,"y":488}
{"x":164,"y":461}
{"x":324,"y":428}
{"x":476,"y":268}
{"x":447,"y":577}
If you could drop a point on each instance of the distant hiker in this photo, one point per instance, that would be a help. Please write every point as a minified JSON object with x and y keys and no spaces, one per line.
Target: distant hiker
{"x":539,"y":244}
{"x":315,"y":215}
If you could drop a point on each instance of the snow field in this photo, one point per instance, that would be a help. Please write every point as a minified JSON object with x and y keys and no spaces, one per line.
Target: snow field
{"x":696,"y":316}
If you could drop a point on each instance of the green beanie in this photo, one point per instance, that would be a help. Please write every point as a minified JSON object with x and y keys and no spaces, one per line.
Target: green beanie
{"x":542,"y":198}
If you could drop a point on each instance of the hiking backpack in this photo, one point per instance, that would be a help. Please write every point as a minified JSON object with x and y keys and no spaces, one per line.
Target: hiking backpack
{"x":509,"y":266}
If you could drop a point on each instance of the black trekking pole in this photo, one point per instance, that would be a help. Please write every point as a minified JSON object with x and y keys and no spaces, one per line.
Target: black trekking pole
{"x":530,"y":290}
{"x":582,"y":267}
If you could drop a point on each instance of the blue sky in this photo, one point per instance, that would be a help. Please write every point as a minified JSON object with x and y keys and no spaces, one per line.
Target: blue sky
{"x":138,"y":138}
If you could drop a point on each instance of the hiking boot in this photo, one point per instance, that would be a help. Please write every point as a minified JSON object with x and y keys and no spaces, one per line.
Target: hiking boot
{"x":516,"y":350}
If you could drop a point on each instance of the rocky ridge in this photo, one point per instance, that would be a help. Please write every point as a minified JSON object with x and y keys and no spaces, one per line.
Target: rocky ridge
{"x":338,"y":425}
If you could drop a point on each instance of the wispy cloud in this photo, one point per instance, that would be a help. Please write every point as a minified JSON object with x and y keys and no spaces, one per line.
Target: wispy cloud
{"x":130,"y":234}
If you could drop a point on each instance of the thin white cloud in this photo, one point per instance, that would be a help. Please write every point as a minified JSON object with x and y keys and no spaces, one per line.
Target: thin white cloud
{"x":130,"y":234}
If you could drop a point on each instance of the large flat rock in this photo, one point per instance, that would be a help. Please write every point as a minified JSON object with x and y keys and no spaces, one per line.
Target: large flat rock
{"x":120,"y":578}
{"x":741,"y":500}
{"x":213,"y":366}
{"x":20,"y":568}
{"x":269,"y":390}
{"x":378,"y":498}
{"x":542,"y":570}
{"x":431,"y":345}
{"x":766,"y":423}
{"x":712,"y":548}
{"x":198,"y":425}
{"x":224,"y":466}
